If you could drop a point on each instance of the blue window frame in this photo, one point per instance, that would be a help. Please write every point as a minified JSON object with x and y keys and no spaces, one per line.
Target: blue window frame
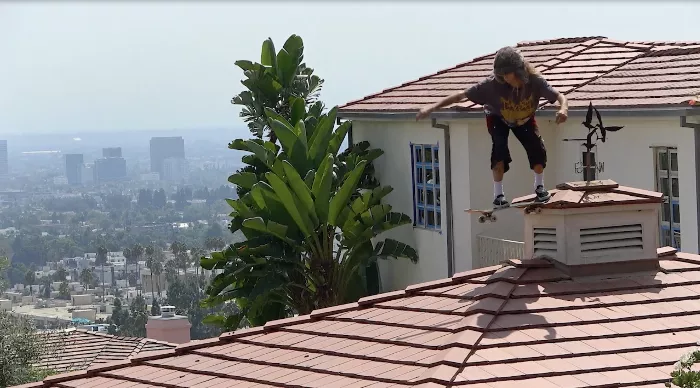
{"x":425,"y":165}
{"x":667,"y":182}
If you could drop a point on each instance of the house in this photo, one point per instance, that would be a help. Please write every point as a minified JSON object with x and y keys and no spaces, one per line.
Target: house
{"x":82,"y":349}
{"x":644,"y":86}
{"x":602,"y":307}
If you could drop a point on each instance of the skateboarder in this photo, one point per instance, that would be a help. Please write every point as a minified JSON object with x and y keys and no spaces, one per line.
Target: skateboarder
{"x":510,"y":97}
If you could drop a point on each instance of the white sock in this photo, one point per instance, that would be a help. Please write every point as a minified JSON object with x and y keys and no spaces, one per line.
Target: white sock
{"x":539,"y":180}
{"x":497,"y":188}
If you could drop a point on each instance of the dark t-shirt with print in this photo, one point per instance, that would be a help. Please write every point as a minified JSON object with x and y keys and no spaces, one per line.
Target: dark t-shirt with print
{"x":515,"y":106}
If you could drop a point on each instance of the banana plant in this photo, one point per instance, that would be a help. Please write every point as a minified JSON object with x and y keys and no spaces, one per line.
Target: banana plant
{"x":310,"y":223}
{"x":271,"y":83}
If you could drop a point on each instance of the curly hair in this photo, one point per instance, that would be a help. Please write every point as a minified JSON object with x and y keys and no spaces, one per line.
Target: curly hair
{"x":509,"y":60}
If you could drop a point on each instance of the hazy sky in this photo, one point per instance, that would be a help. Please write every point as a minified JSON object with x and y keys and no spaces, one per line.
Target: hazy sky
{"x":73,"y":67}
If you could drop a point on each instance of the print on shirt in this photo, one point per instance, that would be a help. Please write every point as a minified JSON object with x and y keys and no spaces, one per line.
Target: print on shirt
{"x":517,"y":112}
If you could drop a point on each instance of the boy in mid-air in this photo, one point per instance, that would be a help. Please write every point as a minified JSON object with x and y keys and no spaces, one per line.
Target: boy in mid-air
{"x":510,"y":97}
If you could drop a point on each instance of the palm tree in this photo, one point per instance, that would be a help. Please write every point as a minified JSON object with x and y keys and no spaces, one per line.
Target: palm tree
{"x":30,"y":279}
{"x":137,"y":251}
{"x":86,"y":278}
{"x":101,"y":260}
{"x":150,"y":264}
{"x":157,"y":270}
{"x":181,"y":257}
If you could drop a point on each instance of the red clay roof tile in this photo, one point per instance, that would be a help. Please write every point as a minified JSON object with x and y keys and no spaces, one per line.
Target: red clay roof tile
{"x":519,"y":324}
{"x":584,"y":70}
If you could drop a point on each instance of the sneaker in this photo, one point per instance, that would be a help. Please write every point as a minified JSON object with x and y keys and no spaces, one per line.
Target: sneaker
{"x":542,"y":195}
{"x":500,"y":202}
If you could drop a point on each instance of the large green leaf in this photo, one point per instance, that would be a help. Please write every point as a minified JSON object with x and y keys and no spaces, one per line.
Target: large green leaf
{"x":321,"y":188}
{"x":286,"y":68}
{"x":272,"y":115}
{"x":244,"y":179}
{"x":298,"y":110}
{"x":301,"y":190}
{"x":340,"y":199}
{"x":300,"y":218}
{"x":268,"y":57}
{"x":337,"y":139}
{"x":286,"y":135}
{"x":295,"y":47}
{"x":396,"y":249}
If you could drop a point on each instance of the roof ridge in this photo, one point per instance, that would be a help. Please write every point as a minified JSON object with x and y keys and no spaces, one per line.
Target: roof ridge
{"x":580,"y":39}
{"x":592,"y":79}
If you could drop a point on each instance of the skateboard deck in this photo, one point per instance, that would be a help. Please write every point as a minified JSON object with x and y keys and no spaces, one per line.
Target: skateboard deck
{"x":487,"y":214}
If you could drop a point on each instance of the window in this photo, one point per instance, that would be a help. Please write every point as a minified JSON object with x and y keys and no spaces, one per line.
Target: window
{"x":666,"y":161}
{"x":426,"y":186}
{"x":589,"y":169}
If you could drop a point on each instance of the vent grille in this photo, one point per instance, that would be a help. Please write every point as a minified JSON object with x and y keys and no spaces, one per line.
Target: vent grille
{"x":545,"y":242}
{"x":612,"y":239}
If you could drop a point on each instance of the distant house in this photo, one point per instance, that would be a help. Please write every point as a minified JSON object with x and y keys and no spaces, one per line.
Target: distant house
{"x":81,"y":349}
{"x":439,"y":168}
{"x":604,"y":308}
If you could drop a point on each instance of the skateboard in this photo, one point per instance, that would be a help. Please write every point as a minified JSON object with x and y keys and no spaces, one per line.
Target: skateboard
{"x":487,"y":214}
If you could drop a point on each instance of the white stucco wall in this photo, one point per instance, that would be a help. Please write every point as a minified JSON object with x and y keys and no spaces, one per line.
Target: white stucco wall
{"x":627,"y":155}
{"x":394,"y":169}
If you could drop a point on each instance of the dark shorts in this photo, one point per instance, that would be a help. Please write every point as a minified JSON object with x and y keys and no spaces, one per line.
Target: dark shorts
{"x":529,"y":136}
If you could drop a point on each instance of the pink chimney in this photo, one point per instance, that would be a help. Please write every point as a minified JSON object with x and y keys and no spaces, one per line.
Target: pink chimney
{"x":168,"y":327}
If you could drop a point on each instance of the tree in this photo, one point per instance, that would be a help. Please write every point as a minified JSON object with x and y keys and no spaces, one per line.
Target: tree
{"x":309,"y":214}
{"x":101,"y":260}
{"x":150,"y":264}
{"x":159,"y":199}
{"x":137,"y":252}
{"x":179,"y":249}
{"x":30,"y":279}
{"x":685,"y":374}
{"x":273,"y":82}
{"x":214,"y":243}
{"x":64,"y":291}
{"x":60,"y":275}
{"x":23,"y":348}
{"x":155,"y":308}
{"x":158,"y":270}
{"x":4,"y":267}
{"x":86,"y":278}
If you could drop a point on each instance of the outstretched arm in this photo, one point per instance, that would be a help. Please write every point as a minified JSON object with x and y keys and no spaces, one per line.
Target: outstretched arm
{"x":449,"y":100}
{"x":563,"y":112}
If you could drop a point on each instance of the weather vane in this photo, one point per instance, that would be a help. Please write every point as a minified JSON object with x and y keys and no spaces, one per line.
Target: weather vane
{"x":593,"y":130}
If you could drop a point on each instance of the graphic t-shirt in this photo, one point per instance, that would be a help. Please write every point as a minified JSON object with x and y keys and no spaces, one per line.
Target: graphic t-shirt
{"x":514,"y":106}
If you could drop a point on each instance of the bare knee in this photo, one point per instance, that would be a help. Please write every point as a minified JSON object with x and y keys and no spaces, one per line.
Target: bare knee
{"x":538,"y":168}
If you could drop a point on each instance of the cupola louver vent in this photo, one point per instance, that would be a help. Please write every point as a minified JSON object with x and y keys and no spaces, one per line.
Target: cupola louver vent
{"x":545,"y":241}
{"x":609,"y":239}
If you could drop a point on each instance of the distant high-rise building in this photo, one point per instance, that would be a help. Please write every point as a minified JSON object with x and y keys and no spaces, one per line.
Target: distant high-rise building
{"x":74,"y":169}
{"x":88,"y":173}
{"x":163,"y":148}
{"x":111,"y":167}
{"x":109,"y":170}
{"x":174,"y":169}
{"x":112,"y":152}
{"x":4,"y":169}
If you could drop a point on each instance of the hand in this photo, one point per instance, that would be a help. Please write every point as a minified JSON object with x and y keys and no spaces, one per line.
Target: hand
{"x":562,"y":115}
{"x":423,"y":113}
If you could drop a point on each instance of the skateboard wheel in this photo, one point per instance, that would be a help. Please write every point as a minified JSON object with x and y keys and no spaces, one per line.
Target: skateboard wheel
{"x":482,"y":219}
{"x":493,"y":218}
{"x":538,"y":210}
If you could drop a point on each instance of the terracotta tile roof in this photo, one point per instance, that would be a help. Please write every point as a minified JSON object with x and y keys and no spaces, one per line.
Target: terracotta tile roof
{"x":520,"y":324}
{"x":596,"y":193}
{"x":82,"y":349}
{"x":611,"y":74}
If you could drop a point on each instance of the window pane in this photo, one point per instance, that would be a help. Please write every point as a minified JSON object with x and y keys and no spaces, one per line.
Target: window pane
{"x":431,"y":218}
{"x":664,"y":186}
{"x":428,"y":155}
{"x":674,"y":161}
{"x":429,"y":176}
{"x":421,"y":196}
{"x":666,"y":214}
{"x":665,"y":238}
{"x":663,"y":160}
{"x":431,"y":197}
{"x":676,"y":213}
{"x":437,"y":197}
{"x":419,"y":154}
{"x":437,"y":175}
{"x":438,"y":219}
{"x":421,"y":216}
{"x":419,"y":174}
{"x":674,"y":187}
{"x":435,"y":155}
